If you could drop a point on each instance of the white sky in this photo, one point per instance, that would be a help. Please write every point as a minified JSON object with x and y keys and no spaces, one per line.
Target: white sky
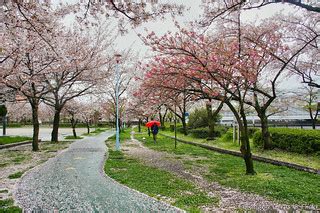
{"x":131,"y":40}
{"x":162,"y":26}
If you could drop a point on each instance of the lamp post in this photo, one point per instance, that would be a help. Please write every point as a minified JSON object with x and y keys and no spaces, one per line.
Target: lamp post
{"x":117,"y":56}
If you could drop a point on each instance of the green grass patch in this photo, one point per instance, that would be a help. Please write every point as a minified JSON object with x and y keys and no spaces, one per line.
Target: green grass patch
{"x":4,"y":191}
{"x":95,"y":132}
{"x":6,"y":203}
{"x":276,"y":182}
{"x":15,"y":175}
{"x":308,"y":160}
{"x":13,"y":139}
{"x":72,"y":137}
{"x":155,"y":182}
{"x":6,"y":206}
{"x":19,"y":159}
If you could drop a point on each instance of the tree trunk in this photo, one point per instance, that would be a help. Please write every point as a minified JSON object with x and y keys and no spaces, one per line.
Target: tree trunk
{"x":56,"y":124}
{"x":313,"y":124}
{"x":184,"y":125}
{"x":88,"y":127}
{"x":73,"y":124}
{"x":4,"y":125}
{"x":265,"y":132}
{"x":210,"y":122}
{"x":313,"y":119}
{"x":74,"y":131}
{"x":139,"y":125}
{"x":244,"y":139}
{"x":245,"y":144}
{"x":36,"y":126}
{"x":161,"y":118}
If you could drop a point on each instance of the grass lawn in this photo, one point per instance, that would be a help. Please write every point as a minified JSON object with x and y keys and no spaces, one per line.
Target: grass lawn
{"x":6,"y":206}
{"x":96,"y":131}
{"x":72,"y":137}
{"x":276,"y":182}
{"x":13,"y":139}
{"x":154,"y":182}
{"x":310,"y":160}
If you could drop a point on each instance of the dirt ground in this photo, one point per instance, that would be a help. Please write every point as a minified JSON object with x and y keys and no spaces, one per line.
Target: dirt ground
{"x":231,"y":200}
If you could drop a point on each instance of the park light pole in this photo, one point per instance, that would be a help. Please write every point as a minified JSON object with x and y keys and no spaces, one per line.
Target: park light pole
{"x":118,"y":57}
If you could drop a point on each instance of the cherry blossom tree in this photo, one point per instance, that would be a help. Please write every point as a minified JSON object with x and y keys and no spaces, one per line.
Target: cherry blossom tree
{"x":127,"y":69}
{"x":134,"y":13}
{"x":307,"y":98}
{"x":30,"y":34}
{"x":214,"y":10}
{"x":306,"y":31}
{"x":24,"y":109}
{"x":81,"y":66}
{"x":72,"y":110}
{"x":217,"y":70}
{"x":163,"y":90}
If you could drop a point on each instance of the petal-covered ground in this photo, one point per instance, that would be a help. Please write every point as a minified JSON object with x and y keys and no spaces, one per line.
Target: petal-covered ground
{"x":75,"y":181}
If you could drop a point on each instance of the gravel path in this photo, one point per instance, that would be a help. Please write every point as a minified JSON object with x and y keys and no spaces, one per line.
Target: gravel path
{"x":75,"y":181}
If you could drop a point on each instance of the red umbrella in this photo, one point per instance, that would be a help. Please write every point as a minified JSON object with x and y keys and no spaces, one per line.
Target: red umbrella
{"x":150,"y":123}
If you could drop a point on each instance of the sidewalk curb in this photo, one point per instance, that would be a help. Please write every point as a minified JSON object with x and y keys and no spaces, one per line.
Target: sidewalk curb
{"x":15,"y":144}
{"x":254,"y":157}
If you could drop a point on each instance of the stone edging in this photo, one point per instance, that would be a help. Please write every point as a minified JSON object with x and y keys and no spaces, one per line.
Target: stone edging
{"x":254,"y":157}
{"x":15,"y":144}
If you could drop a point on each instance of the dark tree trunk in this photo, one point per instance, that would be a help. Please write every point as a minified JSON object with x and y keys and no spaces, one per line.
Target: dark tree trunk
{"x":88,"y":127}
{"x":313,"y":119}
{"x":210,"y":122}
{"x":184,"y":125}
{"x":4,"y":125}
{"x":56,"y":124}
{"x":265,"y":132}
{"x":163,"y":117}
{"x":73,"y":124}
{"x":244,"y":138}
{"x":245,"y":144}
{"x":36,"y":127}
{"x":313,"y":124}
{"x":120,"y":125}
{"x":139,"y":125}
{"x":74,"y":132}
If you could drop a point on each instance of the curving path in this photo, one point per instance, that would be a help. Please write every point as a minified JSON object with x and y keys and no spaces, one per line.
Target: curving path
{"x":75,"y":181}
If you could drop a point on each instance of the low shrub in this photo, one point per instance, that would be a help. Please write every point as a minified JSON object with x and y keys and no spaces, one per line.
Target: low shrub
{"x":199,"y":132}
{"x":14,"y":125}
{"x":292,"y":140}
{"x":163,"y":128}
{"x":203,"y":132}
{"x":228,"y":136}
{"x":221,"y":129}
{"x":252,"y":130}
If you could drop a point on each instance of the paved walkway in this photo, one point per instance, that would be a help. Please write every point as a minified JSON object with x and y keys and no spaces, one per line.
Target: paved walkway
{"x":44,"y":132}
{"x":75,"y":181}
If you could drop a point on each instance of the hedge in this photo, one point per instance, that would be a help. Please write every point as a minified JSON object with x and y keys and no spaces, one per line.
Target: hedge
{"x":292,"y":140}
{"x":203,"y":132}
{"x":228,"y":135}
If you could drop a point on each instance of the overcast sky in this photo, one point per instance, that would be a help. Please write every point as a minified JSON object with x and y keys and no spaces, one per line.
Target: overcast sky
{"x":160,"y":27}
{"x":131,"y":40}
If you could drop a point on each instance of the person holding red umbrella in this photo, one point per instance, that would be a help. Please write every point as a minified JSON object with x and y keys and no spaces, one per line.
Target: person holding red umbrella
{"x":154,"y":129}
